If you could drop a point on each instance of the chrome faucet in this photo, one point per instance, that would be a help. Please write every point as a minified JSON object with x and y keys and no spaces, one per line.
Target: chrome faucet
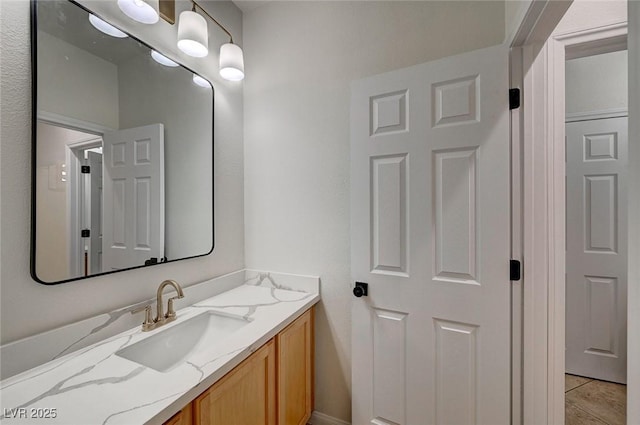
{"x":161,"y":317}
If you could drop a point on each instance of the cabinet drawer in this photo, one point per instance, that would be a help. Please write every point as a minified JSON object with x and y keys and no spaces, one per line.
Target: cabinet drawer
{"x":246,"y":395}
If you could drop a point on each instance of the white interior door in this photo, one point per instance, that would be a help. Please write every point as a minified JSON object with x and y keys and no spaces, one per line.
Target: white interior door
{"x":596,"y":337}
{"x":430,"y":234}
{"x":133,"y":184}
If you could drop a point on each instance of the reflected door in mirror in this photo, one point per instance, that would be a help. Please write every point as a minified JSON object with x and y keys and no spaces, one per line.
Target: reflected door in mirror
{"x":145,"y":131}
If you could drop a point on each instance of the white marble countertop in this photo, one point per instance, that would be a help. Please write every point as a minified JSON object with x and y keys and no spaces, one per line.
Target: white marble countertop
{"x":95,"y":386}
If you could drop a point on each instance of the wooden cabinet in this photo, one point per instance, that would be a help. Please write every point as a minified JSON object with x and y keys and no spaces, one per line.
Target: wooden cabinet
{"x":246,"y":395}
{"x":273,"y":386}
{"x":183,"y":417}
{"x":295,"y":371}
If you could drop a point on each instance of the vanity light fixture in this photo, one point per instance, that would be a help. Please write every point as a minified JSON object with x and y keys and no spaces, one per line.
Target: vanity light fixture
{"x":198,"y":80}
{"x":162,"y":59}
{"x":231,"y":62}
{"x":143,"y":11}
{"x":193,"y":40}
{"x":193,"y":37}
{"x":105,"y":27}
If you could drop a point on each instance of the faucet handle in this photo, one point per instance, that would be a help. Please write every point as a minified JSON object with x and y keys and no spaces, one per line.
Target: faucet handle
{"x":148,"y":321}
{"x":171,"y":313}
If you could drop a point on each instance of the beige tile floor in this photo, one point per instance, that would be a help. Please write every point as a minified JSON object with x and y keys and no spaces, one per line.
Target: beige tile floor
{"x":592,"y":402}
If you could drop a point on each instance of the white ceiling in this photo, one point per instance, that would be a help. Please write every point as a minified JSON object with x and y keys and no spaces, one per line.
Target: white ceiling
{"x":249,"y":5}
{"x":68,"y":22}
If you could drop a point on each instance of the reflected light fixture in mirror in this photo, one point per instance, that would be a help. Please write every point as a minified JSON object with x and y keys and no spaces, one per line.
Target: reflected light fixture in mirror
{"x":199,"y":81}
{"x":143,"y":11}
{"x":162,"y":59}
{"x":106,"y":28}
{"x":126,"y":115}
{"x":193,"y":34}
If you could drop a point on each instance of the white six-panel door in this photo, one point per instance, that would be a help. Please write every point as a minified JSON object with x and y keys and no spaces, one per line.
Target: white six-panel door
{"x":133,"y":188}
{"x":596,"y":337}
{"x":430,"y":234}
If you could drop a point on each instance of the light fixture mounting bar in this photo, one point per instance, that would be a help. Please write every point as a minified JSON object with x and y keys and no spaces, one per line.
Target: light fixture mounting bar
{"x":168,"y":10}
{"x":212,"y":18}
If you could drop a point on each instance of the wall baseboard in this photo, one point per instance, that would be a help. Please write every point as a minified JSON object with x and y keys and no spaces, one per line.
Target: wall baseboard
{"x":318,"y":418}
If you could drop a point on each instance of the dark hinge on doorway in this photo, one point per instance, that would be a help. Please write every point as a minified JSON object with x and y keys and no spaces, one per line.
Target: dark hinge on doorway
{"x":85,"y":169}
{"x":514,"y":270}
{"x":514,"y":98}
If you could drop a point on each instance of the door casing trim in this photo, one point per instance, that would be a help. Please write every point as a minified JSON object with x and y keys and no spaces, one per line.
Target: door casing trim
{"x":538,"y":207}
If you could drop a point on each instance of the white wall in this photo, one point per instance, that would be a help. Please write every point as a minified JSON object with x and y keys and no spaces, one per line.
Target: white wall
{"x":301,"y":58}
{"x":589,"y":13}
{"x":152,"y":93}
{"x":52,"y":247}
{"x":89,"y":91}
{"x":28,"y":307}
{"x":514,"y":12}
{"x":597,"y":83}
{"x":52,"y":235}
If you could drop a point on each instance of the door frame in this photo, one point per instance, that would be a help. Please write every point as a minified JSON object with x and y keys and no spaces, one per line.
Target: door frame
{"x":538,"y":209}
{"x":76,"y":197}
{"x":74,"y":211}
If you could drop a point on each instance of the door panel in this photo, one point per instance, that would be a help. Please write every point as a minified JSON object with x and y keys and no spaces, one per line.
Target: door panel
{"x":456,"y":362}
{"x":600,"y":213}
{"x":597,"y":249}
{"x":455,"y":215}
{"x":389,"y":214}
{"x":245,"y":396}
{"x":295,"y":371}
{"x":430,"y":234}
{"x":389,"y":368}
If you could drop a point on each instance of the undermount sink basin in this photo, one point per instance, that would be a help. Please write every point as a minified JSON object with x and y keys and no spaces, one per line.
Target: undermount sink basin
{"x":172,"y":346}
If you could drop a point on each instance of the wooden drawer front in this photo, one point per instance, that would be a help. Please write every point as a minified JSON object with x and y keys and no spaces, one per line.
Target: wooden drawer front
{"x":246,"y":395}
{"x":295,"y":371}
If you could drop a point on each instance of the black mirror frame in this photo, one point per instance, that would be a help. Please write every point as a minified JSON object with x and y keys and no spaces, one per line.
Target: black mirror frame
{"x":34,"y":121}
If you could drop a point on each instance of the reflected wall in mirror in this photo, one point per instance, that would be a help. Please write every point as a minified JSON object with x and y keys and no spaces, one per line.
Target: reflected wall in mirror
{"x":123,"y":150}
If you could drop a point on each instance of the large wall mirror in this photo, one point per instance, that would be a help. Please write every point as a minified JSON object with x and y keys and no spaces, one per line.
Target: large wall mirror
{"x":122,"y":150}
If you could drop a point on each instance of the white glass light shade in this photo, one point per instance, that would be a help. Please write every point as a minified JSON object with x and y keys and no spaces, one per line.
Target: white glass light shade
{"x":198,"y":80}
{"x":162,"y":59}
{"x":193,"y":38}
{"x":231,"y":62}
{"x":143,"y":11}
{"x":105,"y":27}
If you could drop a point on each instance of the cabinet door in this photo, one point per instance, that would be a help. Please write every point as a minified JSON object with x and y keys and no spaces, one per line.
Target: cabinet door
{"x":183,"y":417}
{"x":295,"y":371}
{"x":244,"y":396}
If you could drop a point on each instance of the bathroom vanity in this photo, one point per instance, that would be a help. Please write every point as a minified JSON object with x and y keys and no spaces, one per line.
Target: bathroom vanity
{"x":123,"y":179}
{"x":272,"y":386}
{"x":243,"y":356}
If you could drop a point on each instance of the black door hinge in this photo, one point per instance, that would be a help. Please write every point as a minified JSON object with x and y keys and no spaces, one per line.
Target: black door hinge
{"x":514,"y":270}
{"x":514,"y":98}
{"x":85,"y":233}
{"x":151,"y":261}
{"x":85,"y":169}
